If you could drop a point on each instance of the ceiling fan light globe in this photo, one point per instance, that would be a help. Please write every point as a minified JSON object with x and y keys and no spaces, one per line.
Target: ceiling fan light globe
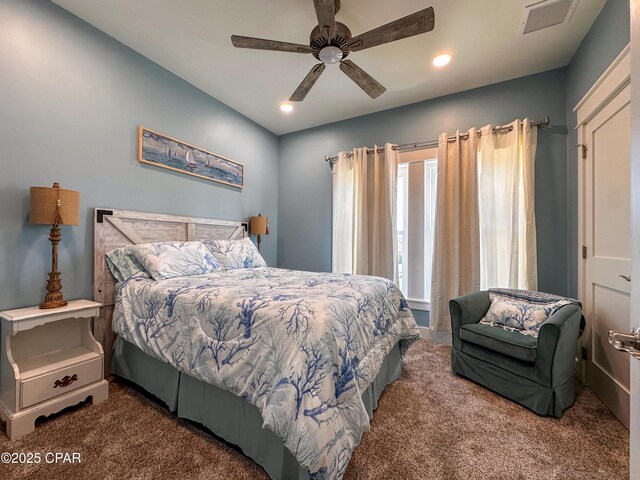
{"x":330,"y":55}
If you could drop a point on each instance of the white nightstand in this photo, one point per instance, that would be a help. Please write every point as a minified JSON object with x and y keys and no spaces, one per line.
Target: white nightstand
{"x":49,"y":360}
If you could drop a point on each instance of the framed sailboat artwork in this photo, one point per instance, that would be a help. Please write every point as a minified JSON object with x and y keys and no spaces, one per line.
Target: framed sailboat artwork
{"x":160,"y":150}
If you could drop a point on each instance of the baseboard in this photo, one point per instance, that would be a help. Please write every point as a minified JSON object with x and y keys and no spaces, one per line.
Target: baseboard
{"x":427,"y":333}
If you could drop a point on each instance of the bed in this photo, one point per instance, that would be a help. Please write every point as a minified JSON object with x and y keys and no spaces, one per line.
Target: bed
{"x":287,"y":365}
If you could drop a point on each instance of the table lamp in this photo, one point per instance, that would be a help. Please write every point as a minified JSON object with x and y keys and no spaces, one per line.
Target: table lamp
{"x":259,"y":226}
{"x":54,"y":206}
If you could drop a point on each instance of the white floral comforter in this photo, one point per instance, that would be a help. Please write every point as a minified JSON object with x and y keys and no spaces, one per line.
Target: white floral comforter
{"x":300,"y":346}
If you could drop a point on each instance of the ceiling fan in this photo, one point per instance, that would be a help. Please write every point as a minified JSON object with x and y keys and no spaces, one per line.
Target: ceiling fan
{"x":331,"y":42}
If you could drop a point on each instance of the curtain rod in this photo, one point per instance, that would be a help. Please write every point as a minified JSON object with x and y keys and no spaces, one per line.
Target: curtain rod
{"x":408,"y":147}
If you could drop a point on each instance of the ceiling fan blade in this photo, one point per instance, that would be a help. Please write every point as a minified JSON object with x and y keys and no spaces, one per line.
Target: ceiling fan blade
{"x":264,"y":44}
{"x":326,"y":16}
{"x":414,"y":24}
{"x":365,"y":81}
{"x":307,"y":83}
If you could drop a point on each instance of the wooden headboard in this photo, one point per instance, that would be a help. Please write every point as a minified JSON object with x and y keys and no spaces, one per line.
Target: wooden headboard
{"x":119,"y":228}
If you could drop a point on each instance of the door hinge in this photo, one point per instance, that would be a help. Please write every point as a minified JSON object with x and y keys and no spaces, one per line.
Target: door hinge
{"x":583,"y":149}
{"x":584,"y":251}
{"x":583,"y":353}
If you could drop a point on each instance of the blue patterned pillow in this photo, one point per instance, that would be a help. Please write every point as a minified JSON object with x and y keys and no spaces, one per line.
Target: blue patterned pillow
{"x":175,"y":259}
{"x":124,"y":264}
{"x":521,"y":310}
{"x":236,"y":253}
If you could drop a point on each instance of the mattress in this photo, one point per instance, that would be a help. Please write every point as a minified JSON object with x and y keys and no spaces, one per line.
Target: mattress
{"x":300,"y":347}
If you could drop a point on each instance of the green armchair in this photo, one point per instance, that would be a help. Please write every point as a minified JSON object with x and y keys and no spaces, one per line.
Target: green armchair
{"x":534,"y":372}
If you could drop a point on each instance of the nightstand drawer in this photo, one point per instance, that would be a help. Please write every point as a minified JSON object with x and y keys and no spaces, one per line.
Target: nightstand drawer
{"x":38,"y":389}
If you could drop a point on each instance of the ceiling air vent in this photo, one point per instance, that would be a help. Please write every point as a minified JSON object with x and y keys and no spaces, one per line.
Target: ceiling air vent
{"x":547,"y":13}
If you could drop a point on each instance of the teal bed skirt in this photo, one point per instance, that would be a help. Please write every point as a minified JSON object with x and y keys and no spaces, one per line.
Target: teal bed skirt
{"x":226,"y":415}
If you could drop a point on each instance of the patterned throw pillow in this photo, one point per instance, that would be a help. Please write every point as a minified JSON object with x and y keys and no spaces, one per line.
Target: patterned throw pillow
{"x":124,"y":264}
{"x":522,"y":311}
{"x":175,"y":259}
{"x":236,"y":253}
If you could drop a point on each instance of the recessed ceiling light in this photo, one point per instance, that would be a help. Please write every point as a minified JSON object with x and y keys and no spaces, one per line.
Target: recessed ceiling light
{"x":442,"y":60}
{"x":286,"y":107}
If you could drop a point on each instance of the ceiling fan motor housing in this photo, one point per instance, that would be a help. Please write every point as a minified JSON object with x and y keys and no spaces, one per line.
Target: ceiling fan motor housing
{"x":318,"y":40}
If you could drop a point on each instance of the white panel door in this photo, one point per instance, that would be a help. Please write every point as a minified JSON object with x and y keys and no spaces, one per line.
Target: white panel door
{"x":607,"y":269}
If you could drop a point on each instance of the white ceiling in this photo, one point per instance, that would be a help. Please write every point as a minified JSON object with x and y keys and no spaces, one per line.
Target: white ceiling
{"x":192,"y":39}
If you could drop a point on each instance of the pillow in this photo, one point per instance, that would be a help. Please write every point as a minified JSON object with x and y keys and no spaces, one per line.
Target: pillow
{"x":236,"y":253}
{"x":124,"y":264}
{"x":175,"y":259}
{"x":521,"y":310}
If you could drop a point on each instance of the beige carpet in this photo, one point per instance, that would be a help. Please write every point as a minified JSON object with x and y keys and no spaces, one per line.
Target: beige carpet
{"x":430,"y":424}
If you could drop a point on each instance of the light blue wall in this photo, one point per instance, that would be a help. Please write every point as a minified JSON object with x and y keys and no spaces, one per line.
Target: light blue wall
{"x":602,"y":44}
{"x":422,"y":317}
{"x":71,"y":99}
{"x":304,"y":195}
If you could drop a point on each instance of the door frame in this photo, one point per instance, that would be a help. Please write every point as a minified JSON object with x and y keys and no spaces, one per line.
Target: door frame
{"x":616,"y":77}
{"x":634,"y":440}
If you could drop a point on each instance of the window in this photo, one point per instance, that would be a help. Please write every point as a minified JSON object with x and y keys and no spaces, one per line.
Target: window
{"x":417,"y":180}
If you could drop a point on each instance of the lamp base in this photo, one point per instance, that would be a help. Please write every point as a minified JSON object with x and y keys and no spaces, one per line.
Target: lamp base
{"x":54,"y":304}
{"x":53,"y":298}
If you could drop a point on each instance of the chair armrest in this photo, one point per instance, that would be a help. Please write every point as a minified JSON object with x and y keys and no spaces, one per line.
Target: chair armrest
{"x":561,"y":316}
{"x":557,"y":343}
{"x":470,"y":308}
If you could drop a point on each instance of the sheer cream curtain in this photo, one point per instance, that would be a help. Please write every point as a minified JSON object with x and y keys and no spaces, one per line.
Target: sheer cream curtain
{"x":364,"y":212}
{"x":485,"y":234}
{"x":506,"y":173}
{"x":456,"y":259}
{"x":343,"y":214}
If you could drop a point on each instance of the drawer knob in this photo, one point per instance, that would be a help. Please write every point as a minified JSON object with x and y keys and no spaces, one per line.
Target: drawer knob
{"x":65,"y":381}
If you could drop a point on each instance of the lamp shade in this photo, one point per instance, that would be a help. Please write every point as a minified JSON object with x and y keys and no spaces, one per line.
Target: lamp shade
{"x":259,"y":225}
{"x":44,"y":201}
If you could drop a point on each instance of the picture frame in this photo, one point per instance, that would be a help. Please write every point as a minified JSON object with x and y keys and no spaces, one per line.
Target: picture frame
{"x":157,"y":149}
